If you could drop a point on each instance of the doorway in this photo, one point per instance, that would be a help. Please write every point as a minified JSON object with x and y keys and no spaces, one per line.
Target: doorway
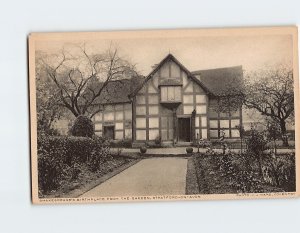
{"x":184,"y":129}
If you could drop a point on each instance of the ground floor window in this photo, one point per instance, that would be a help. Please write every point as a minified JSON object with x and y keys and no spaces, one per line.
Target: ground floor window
{"x":109,"y":131}
{"x":227,"y":127}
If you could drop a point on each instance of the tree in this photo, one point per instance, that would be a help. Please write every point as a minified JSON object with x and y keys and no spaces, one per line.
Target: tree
{"x":76,"y":74}
{"x":271,"y":93}
{"x":47,"y":100}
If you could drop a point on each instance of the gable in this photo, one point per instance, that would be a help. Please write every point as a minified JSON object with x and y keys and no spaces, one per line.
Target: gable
{"x":170,"y":72}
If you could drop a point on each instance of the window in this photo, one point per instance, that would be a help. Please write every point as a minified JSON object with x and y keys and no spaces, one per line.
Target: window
{"x":109,"y":132}
{"x":171,"y":94}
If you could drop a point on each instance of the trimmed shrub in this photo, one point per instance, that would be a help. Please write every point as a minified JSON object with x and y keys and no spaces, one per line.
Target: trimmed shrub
{"x":143,"y":150}
{"x":83,"y":127}
{"x":124,"y":143}
{"x":189,"y":150}
{"x":157,"y":140}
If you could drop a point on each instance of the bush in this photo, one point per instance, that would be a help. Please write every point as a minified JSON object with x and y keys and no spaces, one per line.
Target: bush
{"x":83,"y":127}
{"x":61,"y":158}
{"x":189,"y":150}
{"x":124,"y":143}
{"x":143,"y":150}
{"x":157,"y":140}
{"x":280,"y":171}
{"x":50,"y":163}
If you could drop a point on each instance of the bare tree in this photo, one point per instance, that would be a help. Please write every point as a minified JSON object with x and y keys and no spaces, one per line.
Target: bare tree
{"x":48,"y":109}
{"x":81,"y":77}
{"x":272,"y":94}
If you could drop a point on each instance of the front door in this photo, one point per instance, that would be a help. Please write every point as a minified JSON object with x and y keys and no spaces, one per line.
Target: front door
{"x":184,"y":129}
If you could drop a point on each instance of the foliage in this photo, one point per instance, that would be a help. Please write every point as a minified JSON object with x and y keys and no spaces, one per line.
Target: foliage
{"x":280,"y":170}
{"x":47,"y":102}
{"x":256,"y":142}
{"x":143,"y":150}
{"x":51,"y":166}
{"x":203,"y":143}
{"x":256,"y":145}
{"x":189,"y":150}
{"x":61,"y":159}
{"x":273,"y":131}
{"x":236,"y":173}
{"x":158,"y":140}
{"x":124,"y":143}
{"x":83,"y":127}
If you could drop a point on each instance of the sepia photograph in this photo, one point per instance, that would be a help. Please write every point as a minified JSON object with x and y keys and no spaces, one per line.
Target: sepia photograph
{"x":164,"y":115}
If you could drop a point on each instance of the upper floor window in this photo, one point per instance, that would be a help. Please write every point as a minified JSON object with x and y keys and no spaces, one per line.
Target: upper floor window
{"x":170,"y":93}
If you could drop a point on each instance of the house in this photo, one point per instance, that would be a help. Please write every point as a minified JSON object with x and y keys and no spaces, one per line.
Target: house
{"x":171,"y":104}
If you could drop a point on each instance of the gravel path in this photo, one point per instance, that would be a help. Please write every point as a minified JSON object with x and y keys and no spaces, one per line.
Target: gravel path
{"x":153,"y":176}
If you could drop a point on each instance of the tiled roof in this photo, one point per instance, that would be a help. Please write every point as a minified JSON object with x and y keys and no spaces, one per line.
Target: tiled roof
{"x":221,"y":81}
{"x":117,"y":91}
{"x":218,"y":81}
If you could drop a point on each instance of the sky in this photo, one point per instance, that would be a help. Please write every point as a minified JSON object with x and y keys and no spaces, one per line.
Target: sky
{"x":195,"y":52}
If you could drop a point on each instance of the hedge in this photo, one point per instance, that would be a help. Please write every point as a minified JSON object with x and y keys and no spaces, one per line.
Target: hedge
{"x":60,"y":156}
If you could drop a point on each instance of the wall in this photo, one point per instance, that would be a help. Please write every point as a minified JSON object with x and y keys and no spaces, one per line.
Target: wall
{"x":153,"y":119}
{"x":227,"y":122}
{"x":119,"y":116}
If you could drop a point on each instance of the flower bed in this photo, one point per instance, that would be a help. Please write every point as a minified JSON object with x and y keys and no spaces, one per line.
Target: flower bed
{"x":234,"y":173}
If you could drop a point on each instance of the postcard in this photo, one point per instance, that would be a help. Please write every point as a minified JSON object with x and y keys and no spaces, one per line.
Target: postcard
{"x":164,"y":115}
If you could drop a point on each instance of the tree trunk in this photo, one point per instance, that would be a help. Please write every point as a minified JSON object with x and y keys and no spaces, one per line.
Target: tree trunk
{"x":283,"y":133}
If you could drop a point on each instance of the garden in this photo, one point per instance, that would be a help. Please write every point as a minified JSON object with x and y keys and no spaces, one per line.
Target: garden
{"x":257,"y":169}
{"x":67,"y":163}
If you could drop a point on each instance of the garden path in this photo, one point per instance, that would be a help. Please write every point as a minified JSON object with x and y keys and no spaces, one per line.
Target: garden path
{"x":153,"y":176}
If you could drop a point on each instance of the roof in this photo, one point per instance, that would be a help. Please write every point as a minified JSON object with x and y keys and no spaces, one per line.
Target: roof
{"x":167,"y":58}
{"x":117,"y":91}
{"x":222,"y":81}
{"x":217,"y":82}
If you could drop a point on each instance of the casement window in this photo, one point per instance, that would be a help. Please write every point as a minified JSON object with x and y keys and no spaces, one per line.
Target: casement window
{"x":109,"y":131}
{"x":170,"y":93}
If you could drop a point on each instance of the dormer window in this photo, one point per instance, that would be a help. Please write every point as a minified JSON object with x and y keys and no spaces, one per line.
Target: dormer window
{"x":170,"y":94}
